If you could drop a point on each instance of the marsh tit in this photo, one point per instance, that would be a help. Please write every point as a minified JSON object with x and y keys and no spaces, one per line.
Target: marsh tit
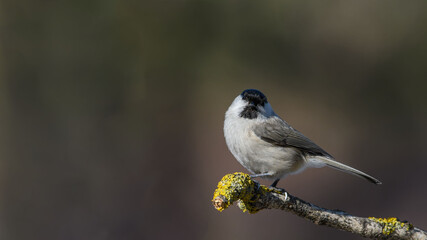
{"x":268,"y":146}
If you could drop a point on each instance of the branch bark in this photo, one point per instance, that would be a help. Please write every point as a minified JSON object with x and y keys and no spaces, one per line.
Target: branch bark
{"x":253,"y":197}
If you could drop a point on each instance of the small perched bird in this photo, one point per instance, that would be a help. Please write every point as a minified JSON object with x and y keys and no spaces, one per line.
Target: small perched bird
{"x":268,"y":146}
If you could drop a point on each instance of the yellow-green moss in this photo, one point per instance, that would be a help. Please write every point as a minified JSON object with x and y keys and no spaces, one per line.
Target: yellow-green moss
{"x":238,"y":186}
{"x":233,"y":187}
{"x":247,"y":203}
{"x":390,"y":224}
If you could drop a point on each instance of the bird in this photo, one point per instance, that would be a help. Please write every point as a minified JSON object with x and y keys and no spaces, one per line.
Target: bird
{"x":268,"y":147}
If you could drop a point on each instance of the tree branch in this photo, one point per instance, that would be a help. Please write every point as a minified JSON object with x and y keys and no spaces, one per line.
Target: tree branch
{"x":253,"y":197}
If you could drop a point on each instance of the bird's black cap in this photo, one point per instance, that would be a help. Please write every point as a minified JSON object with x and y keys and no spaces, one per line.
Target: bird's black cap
{"x":254,"y":96}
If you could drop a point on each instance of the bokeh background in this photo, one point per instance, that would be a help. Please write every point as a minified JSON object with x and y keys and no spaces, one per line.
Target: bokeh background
{"x":111,"y":112}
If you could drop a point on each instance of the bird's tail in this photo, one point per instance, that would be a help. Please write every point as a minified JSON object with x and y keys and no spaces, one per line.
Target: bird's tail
{"x":342,"y":167}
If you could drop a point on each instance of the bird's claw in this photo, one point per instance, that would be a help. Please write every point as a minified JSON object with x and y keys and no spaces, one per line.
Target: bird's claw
{"x":276,"y":189}
{"x":279,"y":190}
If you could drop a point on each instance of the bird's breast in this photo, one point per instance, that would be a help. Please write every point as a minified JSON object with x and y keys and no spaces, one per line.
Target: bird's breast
{"x":257,"y":155}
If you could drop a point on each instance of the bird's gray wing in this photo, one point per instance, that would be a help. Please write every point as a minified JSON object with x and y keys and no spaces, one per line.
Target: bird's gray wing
{"x":279,"y":133}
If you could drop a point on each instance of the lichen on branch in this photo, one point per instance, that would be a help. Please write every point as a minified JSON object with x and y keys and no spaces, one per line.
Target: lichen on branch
{"x":252,"y":197}
{"x":239,"y":187}
{"x":390,"y":224}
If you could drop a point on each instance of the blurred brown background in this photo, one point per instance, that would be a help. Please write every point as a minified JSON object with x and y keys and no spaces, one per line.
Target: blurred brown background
{"x":111,"y":112}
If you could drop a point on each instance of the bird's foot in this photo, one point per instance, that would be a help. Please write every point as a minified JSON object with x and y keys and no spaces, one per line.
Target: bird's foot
{"x":276,"y":189}
{"x":279,"y":190}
